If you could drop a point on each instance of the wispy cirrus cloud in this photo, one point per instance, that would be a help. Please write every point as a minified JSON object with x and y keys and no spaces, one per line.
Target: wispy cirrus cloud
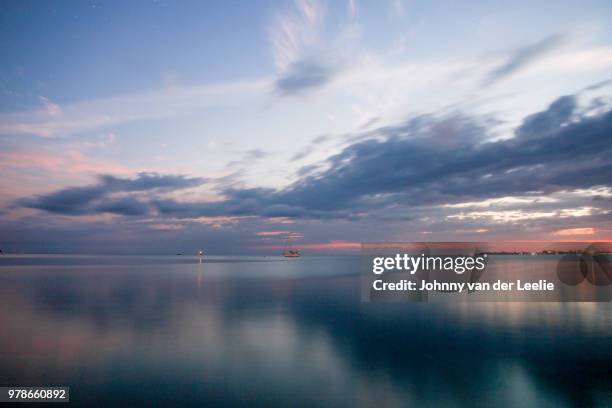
{"x":71,"y":161}
{"x":304,"y":60}
{"x":398,"y":7}
{"x":352,"y":8}
{"x":294,"y":30}
{"x":52,"y":120}
{"x":51,"y":108}
{"x":310,"y":148}
{"x":524,"y":56}
{"x":249,"y":158}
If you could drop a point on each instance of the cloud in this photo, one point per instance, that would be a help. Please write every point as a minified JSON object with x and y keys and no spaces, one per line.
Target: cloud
{"x":123,"y":206}
{"x":70,"y":161}
{"x":321,"y":246}
{"x":352,"y":8}
{"x":598,"y":85}
{"x":541,"y":124}
{"x":333,"y":245}
{"x":310,"y":148}
{"x":166,"y":227}
{"x":50,"y":108}
{"x":575,"y":231}
{"x":249,"y":158}
{"x":398,"y":7}
{"x":305,"y":75}
{"x":369,"y":123}
{"x":525,"y":56}
{"x":98,"y":197}
{"x":303,"y":61}
{"x":307,"y":170}
{"x":53,"y":121}
{"x":69,"y":201}
{"x":294,"y":30}
{"x":438,"y":160}
{"x":272,"y":233}
{"x":508,"y":216}
{"x":430,"y":163}
{"x":150,"y":181}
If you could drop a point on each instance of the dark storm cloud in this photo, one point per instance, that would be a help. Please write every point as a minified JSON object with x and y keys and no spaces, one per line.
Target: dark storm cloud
{"x":426,"y":161}
{"x":95,"y":198}
{"x":525,"y":56}
{"x":436,"y":161}
{"x":543,"y":156}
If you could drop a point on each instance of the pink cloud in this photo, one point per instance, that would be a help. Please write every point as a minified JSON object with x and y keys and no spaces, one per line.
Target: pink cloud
{"x":279,"y":233}
{"x":575,"y":231}
{"x":322,"y":246}
{"x":166,"y":227}
{"x":271,"y":233}
{"x":33,"y":171}
{"x":71,"y":161}
{"x":333,"y":245}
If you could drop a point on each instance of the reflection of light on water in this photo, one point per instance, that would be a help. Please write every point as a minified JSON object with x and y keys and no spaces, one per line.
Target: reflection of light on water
{"x":305,"y":362}
{"x":581,"y":317}
{"x":255,"y":330}
{"x":519,"y":389}
{"x":200,"y":273}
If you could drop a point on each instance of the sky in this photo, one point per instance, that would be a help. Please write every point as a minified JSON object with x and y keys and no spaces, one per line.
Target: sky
{"x":162,"y":127}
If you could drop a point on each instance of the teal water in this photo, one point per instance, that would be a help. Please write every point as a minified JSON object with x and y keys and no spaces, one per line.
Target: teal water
{"x":270,"y":331}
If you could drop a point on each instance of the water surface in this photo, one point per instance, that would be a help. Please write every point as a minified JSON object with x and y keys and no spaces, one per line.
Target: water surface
{"x":270,"y":331}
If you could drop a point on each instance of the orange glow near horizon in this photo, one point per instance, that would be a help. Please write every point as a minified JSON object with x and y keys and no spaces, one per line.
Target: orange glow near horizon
{"x":324,"y":246}
{"x":509,"y":246}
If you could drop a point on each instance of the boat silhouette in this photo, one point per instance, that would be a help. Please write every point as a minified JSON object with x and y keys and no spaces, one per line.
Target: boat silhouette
{"x":289,"y":251}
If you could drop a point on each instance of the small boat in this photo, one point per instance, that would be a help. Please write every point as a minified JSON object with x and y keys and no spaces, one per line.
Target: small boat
{"x":292,"y":253}
{"x":289,"y":251}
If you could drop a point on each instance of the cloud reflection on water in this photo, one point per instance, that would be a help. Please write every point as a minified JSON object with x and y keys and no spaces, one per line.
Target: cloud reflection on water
{"x":223,"y":333}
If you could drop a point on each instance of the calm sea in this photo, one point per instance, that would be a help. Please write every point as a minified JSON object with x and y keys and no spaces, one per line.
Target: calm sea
{"x":270,"y":331}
